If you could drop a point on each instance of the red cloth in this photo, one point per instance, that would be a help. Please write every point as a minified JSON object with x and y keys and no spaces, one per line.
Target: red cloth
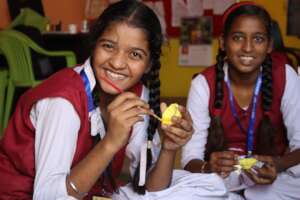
{"x":17,"y":163}
{"x":233,"y":135}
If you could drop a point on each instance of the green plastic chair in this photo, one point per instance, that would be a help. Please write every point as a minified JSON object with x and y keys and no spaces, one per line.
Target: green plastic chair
{"x":16,"y":48}
{"x":3,"y":84}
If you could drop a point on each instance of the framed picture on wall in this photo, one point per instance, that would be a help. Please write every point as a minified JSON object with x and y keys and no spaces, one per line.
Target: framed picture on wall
{"x":293,"y":27}
{"x":196,"y":41}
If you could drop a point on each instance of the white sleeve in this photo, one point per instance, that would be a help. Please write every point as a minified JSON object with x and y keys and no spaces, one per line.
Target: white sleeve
{"x":290,"y":108}
{"x":57,"y":125}
{"x":138,"y":138}
{"x":197,"y":105}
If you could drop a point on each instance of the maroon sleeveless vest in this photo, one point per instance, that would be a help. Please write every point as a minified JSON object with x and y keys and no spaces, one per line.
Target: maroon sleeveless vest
{"x":235,"y":138}
{"x":17,"y":163}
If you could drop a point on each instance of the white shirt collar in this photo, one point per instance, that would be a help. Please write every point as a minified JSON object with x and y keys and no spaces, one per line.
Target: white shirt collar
{"x":97,"y":125}
{"x":90,"y":73}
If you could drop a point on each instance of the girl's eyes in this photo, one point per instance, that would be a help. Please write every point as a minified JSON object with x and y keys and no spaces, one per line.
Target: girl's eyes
{"x":257,"y":39}
{"x":136,"y":55}
{"x":107,"y":46}
{"x":237,"y":37}
{"x":111,"y":47}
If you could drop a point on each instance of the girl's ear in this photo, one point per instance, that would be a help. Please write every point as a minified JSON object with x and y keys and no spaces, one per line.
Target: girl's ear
{"x":270,"y":47}
{"x":222,"y":42}
{"x":148,"y":68}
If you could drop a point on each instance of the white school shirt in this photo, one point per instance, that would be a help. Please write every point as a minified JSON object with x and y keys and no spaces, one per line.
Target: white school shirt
{"x":198,"y":104}
{"x":57,"y":124}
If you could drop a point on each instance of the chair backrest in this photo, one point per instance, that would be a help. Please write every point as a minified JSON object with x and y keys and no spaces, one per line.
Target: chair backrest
{"x":17,"y":48}
{"x":29,"y":17}
{"x":18,"y":57}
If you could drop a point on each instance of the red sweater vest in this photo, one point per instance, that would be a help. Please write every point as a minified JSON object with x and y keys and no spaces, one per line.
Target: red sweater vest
{"x":17,"y":163}
{"x":233,"y":135}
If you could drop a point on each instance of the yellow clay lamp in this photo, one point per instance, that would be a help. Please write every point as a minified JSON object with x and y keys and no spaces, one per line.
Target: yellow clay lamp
{"x":171,"y":111}
{"x":247,"y":163}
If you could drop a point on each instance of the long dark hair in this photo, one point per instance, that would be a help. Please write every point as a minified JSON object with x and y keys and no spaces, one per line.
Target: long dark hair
{"x":138,"y":15}
{"x":265,"y":136}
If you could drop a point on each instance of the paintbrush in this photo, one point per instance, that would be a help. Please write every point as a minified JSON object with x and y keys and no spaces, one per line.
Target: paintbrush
{"x":111,"y":84}
{"x":120,"y":91}
{"x":155,"y":116}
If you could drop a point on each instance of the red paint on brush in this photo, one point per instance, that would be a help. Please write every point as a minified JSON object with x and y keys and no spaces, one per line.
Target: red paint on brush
{"x":111,"y":84}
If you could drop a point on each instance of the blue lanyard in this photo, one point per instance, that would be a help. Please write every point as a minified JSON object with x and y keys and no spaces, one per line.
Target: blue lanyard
{"x":250,"y":131}
{"x":87,"y":90}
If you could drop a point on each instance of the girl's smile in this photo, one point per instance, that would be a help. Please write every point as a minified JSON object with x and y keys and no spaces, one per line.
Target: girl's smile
{"x":115,"y":76}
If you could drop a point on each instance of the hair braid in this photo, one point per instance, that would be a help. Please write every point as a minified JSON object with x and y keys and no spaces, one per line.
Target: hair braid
{"x":266,"y":88}
{"x":266,"y":133}
{"x":219,"y":80}
{"x":215,"y":139}
{"x":153,"y":84}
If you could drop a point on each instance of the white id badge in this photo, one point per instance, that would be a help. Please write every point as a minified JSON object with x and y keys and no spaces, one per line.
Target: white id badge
{"x":143,"y":162}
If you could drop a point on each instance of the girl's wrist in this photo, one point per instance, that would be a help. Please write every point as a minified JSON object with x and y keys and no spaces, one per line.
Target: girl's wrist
{"x":205,"y":168}
{"x":108,"y":146}
{"x":168,"y":151}
{"x":278,"y":165}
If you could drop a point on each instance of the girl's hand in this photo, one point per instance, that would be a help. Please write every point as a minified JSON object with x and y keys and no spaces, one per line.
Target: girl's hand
{"x":265,"y":175}
{"x":122,"y":113}
{"x":179,"y":133}
{"x":223,"y":162}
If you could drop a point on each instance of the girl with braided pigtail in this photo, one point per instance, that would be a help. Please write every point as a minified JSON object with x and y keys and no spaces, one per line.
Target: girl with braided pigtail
{"x":247,"y":106}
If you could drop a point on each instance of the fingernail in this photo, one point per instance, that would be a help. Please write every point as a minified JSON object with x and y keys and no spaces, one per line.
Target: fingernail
{"x":254,"y":171}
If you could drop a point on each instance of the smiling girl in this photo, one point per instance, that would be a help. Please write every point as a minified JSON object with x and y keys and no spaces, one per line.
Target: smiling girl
{"x":248,"y":104}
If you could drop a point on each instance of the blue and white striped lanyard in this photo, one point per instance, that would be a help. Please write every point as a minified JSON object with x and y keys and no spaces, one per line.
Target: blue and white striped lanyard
{"x":88,"y":90}
{"x":91,"y":107}
{"x":250,"y":131}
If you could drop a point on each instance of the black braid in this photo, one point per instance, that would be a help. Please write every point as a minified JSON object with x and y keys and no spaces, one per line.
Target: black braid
{"x":266,"y":87}
{"x":154,"y":102}
{"x":219,"y":80}
{"x":215,"y":139}
{"x":266,"y":132}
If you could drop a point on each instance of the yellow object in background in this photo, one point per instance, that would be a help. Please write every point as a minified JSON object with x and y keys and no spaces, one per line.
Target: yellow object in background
{"x":247,"y":163}
{"x":171,"y":111}
{"x":100,"y":198}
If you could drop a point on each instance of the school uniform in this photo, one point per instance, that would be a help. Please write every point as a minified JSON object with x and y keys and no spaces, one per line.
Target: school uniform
{"x":285,"y":112}
{"x":51,"y":131}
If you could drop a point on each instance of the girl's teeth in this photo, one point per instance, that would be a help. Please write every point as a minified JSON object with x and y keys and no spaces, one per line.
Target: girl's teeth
{"x":114,"y":75}
{"x":247,"y":58}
